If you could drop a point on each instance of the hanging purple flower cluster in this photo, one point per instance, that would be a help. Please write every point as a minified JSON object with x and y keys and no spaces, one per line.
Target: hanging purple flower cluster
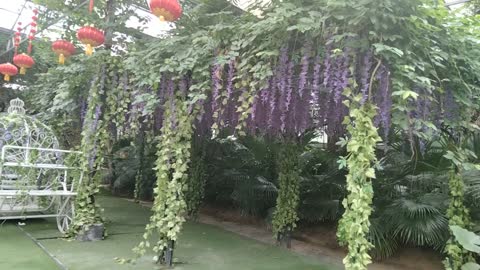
{"x":365,"y":74}
{"x":300,"y":95}
{"x":158,"y":115}
{"x":217,"y":73}
{"x":450,"y":106}
{"x":383,"y":100}
{"x":83,"y":111}
{"x":336,"y":79}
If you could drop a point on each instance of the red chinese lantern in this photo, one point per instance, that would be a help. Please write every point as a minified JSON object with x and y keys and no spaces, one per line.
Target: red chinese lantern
{"x":8,"y":70}
{"x":33,"y":31}
{"x":91,"y":37}
{"x":23,"y":61}
{"x":18,"y":36}
{"x":166,"y":10}
{"x":63,"y":49}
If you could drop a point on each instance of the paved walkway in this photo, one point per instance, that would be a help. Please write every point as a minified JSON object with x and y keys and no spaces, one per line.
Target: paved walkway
{"x":200,"y":247}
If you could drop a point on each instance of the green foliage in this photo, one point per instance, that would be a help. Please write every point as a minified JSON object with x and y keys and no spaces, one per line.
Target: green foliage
{"x":417,"y":223}
{"x":354,"y":226}
{"x":469,"y":241}
{"x":87,"y":212}
{"x":173,"y":157}
{"x":285,"y":216}
{"x":196,"y":181}
{"x":241,"y":173}
{"x":458,"y":215}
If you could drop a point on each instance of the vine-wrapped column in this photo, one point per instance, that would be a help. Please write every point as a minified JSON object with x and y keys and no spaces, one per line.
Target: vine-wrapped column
{"x":94,"y":133}
{"x":285,"y":216}
{"x":173,"y":157}
{"x":354,"y":225}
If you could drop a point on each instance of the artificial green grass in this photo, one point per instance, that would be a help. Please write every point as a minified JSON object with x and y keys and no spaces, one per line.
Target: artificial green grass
{"x":200,"y":247}
{"x":18,"y":252}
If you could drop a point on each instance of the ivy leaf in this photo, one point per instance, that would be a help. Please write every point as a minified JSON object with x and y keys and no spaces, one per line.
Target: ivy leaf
{"x":471,"y":266}
{"x":467,"y":239}
{"x":370,"y":173}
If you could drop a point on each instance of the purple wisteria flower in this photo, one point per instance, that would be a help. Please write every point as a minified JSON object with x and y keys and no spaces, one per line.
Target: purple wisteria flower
{"x":385,"y":104}
{"x":302,"y":81}
{"x":365,"y":75}
{"x":451,"y":108}
{"x":316,"y":82}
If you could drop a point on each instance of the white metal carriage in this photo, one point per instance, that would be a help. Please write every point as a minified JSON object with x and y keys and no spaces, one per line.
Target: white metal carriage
{"x":35,"y":180}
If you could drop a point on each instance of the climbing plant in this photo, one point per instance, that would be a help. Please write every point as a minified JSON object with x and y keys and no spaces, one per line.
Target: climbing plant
{"x":87,"y":211}
{"x":197,"y":174}
{"x":360,"y":160}
{"x":173,"y":157}
{"x":412,"y":68}
{"x":285,"y":216}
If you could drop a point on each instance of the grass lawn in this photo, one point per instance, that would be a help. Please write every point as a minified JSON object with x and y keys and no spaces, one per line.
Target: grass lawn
{"x":200,"y":247}
{"x":19,"y":252}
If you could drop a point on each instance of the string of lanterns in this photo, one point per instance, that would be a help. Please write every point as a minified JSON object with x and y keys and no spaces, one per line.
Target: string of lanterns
{"x":91,"y":37}
{"x":23,"y":60}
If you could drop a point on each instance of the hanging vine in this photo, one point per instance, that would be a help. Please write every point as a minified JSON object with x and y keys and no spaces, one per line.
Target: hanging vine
{"x":173,"y":157}
{"x":196,"y":181}
{"x":354,"y":225}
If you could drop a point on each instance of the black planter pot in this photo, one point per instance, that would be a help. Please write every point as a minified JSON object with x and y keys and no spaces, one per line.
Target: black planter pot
{"x":93,"y":232}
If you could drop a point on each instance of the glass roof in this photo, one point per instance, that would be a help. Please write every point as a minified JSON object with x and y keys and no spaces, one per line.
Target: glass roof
{"x":15,"y":11}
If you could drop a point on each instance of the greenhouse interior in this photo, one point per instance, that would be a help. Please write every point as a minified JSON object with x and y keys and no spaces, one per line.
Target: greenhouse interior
{"x":240,"y":134}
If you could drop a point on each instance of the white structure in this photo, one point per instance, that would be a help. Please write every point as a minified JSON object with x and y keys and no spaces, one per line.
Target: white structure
{"x":35,"y":181}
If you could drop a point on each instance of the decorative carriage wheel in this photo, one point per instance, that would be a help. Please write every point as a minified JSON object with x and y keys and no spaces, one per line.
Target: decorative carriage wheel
{"x":66,"y":211}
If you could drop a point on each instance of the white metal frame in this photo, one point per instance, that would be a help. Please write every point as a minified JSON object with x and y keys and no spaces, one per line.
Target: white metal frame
{"x":24,"y":203}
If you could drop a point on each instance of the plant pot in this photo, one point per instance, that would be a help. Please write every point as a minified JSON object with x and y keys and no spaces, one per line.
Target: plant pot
{"x":92,"y":232}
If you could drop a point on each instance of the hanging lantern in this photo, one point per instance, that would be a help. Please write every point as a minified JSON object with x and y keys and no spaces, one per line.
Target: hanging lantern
{"x":8,"y":70}
{"x":17,"y":38}
{"x":91,"y":37}
{"x":63,"y":49}
{"x":90,"y":7}
{"x":166,"y":10}
{"x":23,"y":61}
{"x":33,"y":30}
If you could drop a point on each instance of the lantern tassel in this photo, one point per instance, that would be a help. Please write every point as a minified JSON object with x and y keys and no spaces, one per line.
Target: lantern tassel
{"x":6,"y":77}
{"x":89,"y":50}
{"x":23,"y":70}
{"x":61,"y":59}
{"x":162,"y":18}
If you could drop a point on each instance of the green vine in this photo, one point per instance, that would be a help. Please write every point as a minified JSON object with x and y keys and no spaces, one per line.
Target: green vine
{"x":354,"y":224}
{"x":285,"y":215}
{"x":87,"y":211}
{"x":196,"y":182}
{"x":173,"y":157}
{"x":458,"y":215}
